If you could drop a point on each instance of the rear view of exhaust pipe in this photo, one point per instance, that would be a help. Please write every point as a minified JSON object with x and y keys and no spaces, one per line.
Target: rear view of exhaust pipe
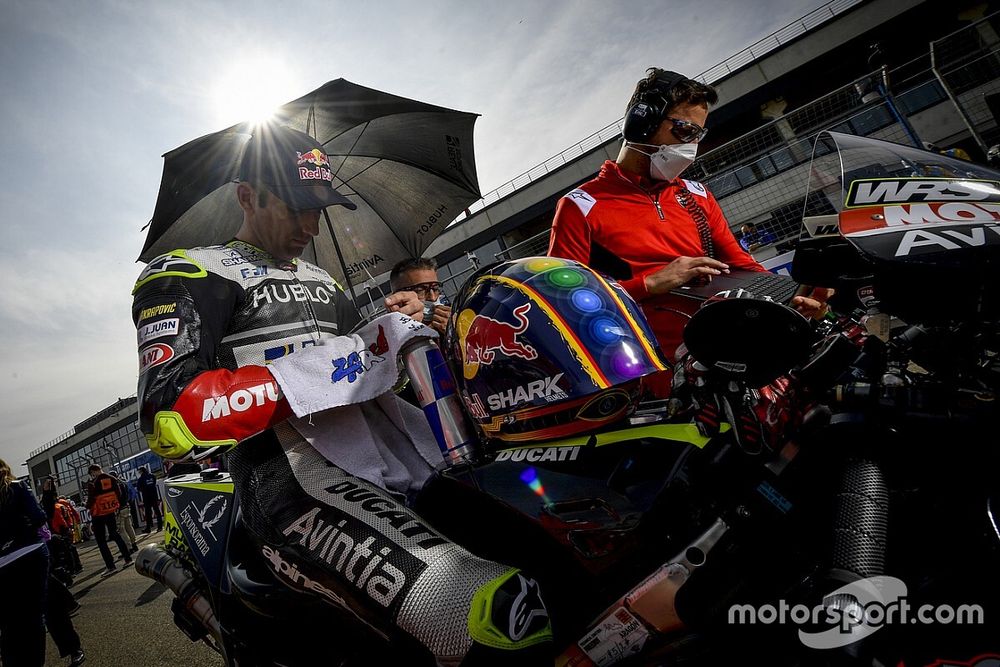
{"x":860,"y":523}
{"x":155,"y":562}
{"x":860,"y":520}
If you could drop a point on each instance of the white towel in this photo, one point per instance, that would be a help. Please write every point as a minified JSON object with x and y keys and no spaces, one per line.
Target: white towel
{"x":346,"y":370}
{"x":386,"y":441}
{"x":341,"y":393}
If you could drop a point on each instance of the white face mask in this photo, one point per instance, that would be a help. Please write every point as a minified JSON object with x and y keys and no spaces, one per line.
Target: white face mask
{"x":669,"y":160}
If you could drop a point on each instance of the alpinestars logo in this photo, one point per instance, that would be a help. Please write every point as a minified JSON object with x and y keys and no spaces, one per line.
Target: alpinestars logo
{"x":527,"y":607}
{"x":240,"y":400}
{"x":170,"y":265}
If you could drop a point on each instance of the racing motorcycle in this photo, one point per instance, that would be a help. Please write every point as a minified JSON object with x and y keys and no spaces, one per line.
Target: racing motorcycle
{"x":801,"y":477}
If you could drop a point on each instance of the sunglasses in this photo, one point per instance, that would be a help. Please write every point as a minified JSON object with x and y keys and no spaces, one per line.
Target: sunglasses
{"x":422,"y":289}
{"x":686,"y":131}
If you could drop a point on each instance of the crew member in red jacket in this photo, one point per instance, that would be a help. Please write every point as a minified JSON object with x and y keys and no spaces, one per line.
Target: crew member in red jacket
{"x":642,"y":224}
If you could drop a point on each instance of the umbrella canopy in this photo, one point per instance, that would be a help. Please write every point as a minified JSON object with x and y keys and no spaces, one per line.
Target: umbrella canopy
{"x":409,"y":166}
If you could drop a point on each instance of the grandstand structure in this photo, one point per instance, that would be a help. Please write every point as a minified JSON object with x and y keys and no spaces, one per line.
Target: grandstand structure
{"x":909,"y":71}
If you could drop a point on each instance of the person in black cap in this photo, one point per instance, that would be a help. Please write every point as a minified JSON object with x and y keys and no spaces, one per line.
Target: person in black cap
{"x":209,"y":320}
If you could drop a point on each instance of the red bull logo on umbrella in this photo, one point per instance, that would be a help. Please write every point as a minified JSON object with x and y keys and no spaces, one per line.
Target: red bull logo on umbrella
{"x":482,"y":338}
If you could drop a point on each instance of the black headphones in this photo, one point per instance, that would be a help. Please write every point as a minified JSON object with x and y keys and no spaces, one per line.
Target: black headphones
{"x":651,"y":103}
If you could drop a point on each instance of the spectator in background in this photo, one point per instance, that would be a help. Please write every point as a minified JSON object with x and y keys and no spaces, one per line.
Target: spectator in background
{"x":63,"y":524}
{"x":955,"y":152}
{"x":86,"y":529}
{"x":150,"y":499}
{"x":133,"y":503}
{"x":753,"y":237}
{"x":420,"y":275}
{"x":126,"y":525}
{"x":76,"y":520}
{"x":24,"y":565}
{"x":49,"y":495}
{"x":103,"y":502}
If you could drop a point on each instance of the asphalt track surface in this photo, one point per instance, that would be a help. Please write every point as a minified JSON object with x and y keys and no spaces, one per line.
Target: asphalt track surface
{"x":125,"y":620}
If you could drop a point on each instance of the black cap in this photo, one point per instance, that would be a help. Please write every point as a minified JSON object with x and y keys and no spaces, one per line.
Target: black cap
{"x":293,"y":166}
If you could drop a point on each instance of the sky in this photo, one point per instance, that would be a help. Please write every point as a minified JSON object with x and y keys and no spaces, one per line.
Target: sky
{"x":93,"y":93}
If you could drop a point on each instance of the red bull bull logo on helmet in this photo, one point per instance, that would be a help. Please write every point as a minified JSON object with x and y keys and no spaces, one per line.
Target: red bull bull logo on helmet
{"x":482,"y":338}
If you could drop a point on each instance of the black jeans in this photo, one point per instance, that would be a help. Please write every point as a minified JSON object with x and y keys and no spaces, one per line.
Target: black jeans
{"x":59,"y":603}
{"x":103,"y":526}
{"x":152,"y":506}
{"x":22,"y":630}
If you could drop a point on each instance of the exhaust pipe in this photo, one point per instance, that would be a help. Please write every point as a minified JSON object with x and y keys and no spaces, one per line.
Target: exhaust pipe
{"x":155,"y":562}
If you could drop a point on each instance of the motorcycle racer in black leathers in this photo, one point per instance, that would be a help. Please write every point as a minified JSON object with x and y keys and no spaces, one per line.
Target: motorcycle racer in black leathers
{"x":208,"y":321}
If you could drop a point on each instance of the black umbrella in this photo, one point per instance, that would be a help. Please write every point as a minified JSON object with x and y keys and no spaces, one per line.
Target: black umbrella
{"x":409,"y":166}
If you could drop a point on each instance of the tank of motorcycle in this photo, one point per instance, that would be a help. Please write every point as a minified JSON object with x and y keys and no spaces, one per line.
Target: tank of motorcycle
{"x":592,"y":493}
{"x":913,"y":232}
{"x":199,"y":511}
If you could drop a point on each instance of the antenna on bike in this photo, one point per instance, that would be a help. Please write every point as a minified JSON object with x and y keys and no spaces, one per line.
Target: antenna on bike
{"x":371,"y":301}
{"x":377,"y":286}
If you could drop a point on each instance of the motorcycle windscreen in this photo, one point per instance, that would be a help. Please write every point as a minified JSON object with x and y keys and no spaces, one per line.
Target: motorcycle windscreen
{"x":200,"y":515}
{"x":927,"y":225}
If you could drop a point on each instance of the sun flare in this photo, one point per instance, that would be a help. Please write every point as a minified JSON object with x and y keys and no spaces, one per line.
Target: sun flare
{"x":253,"y":90}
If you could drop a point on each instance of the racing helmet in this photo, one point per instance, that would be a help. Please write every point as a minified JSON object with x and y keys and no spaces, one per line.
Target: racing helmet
{"x":543,"y":347}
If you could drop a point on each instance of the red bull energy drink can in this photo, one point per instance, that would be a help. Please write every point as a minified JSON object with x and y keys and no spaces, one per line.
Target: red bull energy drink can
{"x":434,"y":387}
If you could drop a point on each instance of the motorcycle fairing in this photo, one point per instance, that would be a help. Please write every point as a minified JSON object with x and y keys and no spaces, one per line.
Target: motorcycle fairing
{"x":589,"y":493}
{"x":922,"y":232}
{"x":923,"y":229}
{"x":199,"y":514}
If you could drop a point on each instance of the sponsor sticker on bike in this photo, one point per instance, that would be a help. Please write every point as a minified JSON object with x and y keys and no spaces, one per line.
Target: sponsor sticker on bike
{"x":877,"y":191}
{"x":618,"y":636}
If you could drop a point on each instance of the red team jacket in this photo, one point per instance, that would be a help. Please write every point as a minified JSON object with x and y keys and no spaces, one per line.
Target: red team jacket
{"x":629,"y":226}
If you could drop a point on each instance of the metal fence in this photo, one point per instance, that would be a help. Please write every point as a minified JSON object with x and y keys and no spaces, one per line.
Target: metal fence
{"x":761,"y":176}
{"x":966,"y":64}
{"x":529,"y":247}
